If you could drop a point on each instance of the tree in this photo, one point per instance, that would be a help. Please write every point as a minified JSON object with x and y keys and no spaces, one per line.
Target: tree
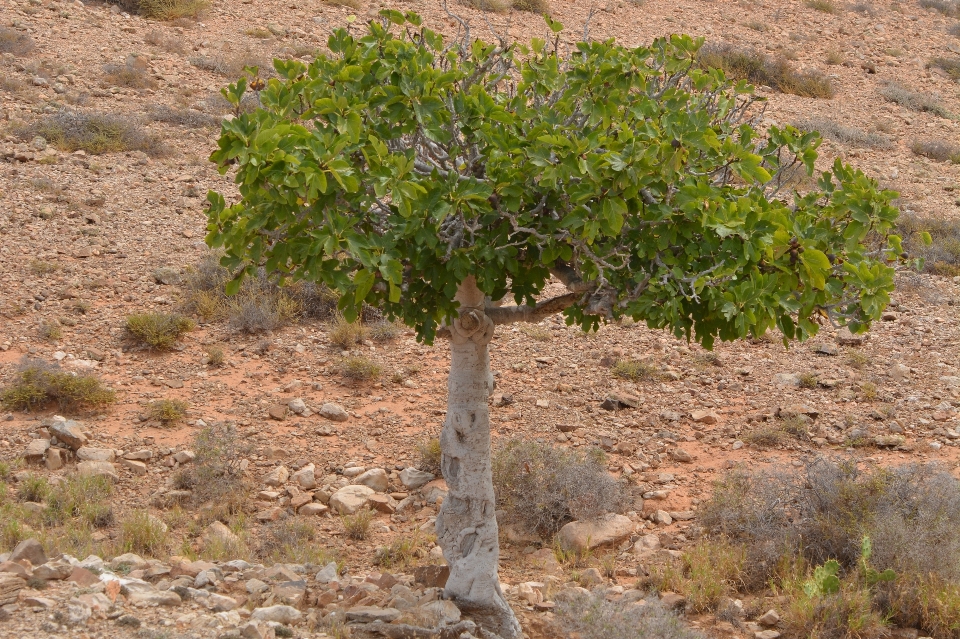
{"x":438,"y":178}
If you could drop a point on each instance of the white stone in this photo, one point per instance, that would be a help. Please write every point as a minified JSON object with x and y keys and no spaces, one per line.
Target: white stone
{"x":350,"y":499}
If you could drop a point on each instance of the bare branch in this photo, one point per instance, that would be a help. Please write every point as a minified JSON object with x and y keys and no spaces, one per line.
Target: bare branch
{"x":570,"y":278}
{"x":512,"y":314}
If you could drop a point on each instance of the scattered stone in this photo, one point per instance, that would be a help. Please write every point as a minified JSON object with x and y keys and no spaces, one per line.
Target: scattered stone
{"x":56,"y":458}
{"x":98,"y":469}
{"x":661,"y":517}
{"x":349,"y":499}
{"x":846,"y":338}
{"x":278,"y":614}
{"x":334,"y":413}
{"x":217,"y":532}
{"x":787,"y":379}
{"x":412,"y":478}
{"x":10,"y":587}
{"x":431,"y":576}
{"x":585,"y":535}
{"x":370,"y":614}
{"x":86,"y":453}
{"x":137,"y":467}
{"x":383,"y":503}
{"x":184,"y":457}
{"x":68,"y":432}
{"x":375,"y":478}
{"x":680,"y":455}
{"x":277,"y":477}
{"x":312,"y":508}
{"x":83,"y":577}
{"x":31,"y":550}
{"x":704,"y":416}
{"x":769,"y":618}
{"x":277,"y":412}
{"x":766,"y":634}
{"x":36,"y":450}
{"x":826,"y":348}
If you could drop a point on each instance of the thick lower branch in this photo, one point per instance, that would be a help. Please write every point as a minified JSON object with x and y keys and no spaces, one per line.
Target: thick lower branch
{"x":570,"y":278}
{"x":512,"y":314}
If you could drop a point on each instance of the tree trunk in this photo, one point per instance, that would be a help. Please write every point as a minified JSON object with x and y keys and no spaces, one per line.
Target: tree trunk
{"x":467,"y":526}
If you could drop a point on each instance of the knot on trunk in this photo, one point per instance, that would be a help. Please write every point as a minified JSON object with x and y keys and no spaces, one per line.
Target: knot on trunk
{"x":473,"y":325}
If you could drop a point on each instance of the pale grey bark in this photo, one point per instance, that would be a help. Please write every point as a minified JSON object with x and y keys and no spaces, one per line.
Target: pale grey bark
{"x":467,"y":525}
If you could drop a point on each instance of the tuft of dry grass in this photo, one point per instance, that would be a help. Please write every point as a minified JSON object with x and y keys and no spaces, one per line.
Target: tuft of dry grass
{"x":346,"y":334}
{"x":357,"y":526}
{"x":360,"y":368}
{"x":824,"y":6}
{"x":187,"y":118}
{"x":951,"y":66}
{"x":430,"y":456}
{"x":942,"y":255}
{"x":50,"y":331}
{"x":835,"y":57}
{"x":594,"y":616}
{"x":950,"y":8}
{"x":171,"y":9}
{"x":95,"y":133}
{"x":143,"y":534}
{"x":936,"y":149}
{"x":15,"y":42}
{"x":134,"y":73}
{"x":754,"y":67}
{"x":230,"y":66}
{"x":402,"y":552}
{"x":159,"y":331}
{"x":537,"y":332}
{"x":167,"y":411}
{"x":353,"y":4}
{"x":169,"y":43}
{"x":635,"y":370}
{"x":913,"y":100}
{"x":851,"y":136}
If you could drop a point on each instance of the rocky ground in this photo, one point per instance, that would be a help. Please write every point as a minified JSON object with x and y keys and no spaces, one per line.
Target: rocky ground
{"x":86,"y":240}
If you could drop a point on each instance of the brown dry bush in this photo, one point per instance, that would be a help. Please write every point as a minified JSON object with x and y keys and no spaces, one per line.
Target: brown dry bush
{"x":38,"y":384}
{"x":15,"y":42}
{"x":951,"y":66}
{"x":754,"y":67}
{"x":936,"y":149}
{"x":134,"y":73}
{"x":540,"y":488}
{"x":95,"y":133}
{"x":913,"y":100}
{"x":215,"y":476}
{"x":230,"y":66}
{"x":187,"y":118}
{"x":942,"y":255}
{"x":949,"y":8}
{"x":594,"y":616}
{"x":169,"y":43}
{"x":848,"y":135}
{"x":163,"y":9}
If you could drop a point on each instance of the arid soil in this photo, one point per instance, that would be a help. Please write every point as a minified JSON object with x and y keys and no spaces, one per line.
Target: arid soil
{"x":82,"y":237}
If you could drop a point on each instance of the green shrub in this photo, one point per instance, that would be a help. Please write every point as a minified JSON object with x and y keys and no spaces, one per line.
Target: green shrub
{"x":143,"y":534}
{"x":708,"y":572}
{"x":360,"y":368}
{"x":81,"y":497}
{"x":540,"y":488}
{"x":357,"y":525}
{"x":33,"y":488}
{"x":215,"y":476}
{"x":38,"y":384}
{"x":942,"y":254}
{"x":430,"y":456}
{"x":635,"y":370}
{"x":756,"y":68}
{"x":159,"y":331}
{"x":167,"y":411}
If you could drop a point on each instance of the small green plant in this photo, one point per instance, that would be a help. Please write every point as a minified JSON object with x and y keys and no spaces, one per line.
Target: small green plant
{"x":167,"y":411}
{"x":635,"y":370}
{"x":357,"y":525}
{"x":537,"y":332}
{"x":346,"y":334}
{"x":824,"y":581}
{"x":402,"y":552}
{"x":360,"y":368}
{"x":826,"y":6}
{"x":835,"y":57}
{"x":756,"y":68}
{"x":83,"y":497}
{"x":215,"y":356}
{"x":159,"y":331}
{"x":868,"y":390}
{"x":809,"y":380}
{"x":430,"y":455}
{"x":858,"y":359}
{"x":872,"y":576}
{"x":33,"y":488}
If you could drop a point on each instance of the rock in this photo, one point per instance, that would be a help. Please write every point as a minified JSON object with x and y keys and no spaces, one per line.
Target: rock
{"x":130,"y":560}
{"x":591,"y":577}
{"x":220,"y":603}
{"x":437,"y":614}
{"x":154,"y":598}
{"x":83,"y":577}
{"x":56,"y":458}
{"x":36,"y":450}
{"x":826,"y":348}
{"x":291,"y":592}
{"x":846,"y":338}
{"x":787,"y":379}
{"x":184,"y":456}
{"x":334,"y":413}
{"x":277,"y":477}
{"x":312,"y":508}
{"x":585,"y":535}
{"x":306,"y":477}
{"x":431,"y":576}
{"x":349,"y":499}
{"x":31,"y":550}
{"x":766,"y":634}
{"x":662,"y":517}
{"x":278,"y":614}
{"x":137,"y":467}
{"x":383,"y":503}
{"x":300,"y":500}
{"x":704,"y":416}
{"x":375,"y":478}
{"x":412,"y":478}
{"x":370,"y":614}
{"x":53,"y":570}
{"x":217,"y":532}
{"x":796,"y":410}
{"x":69,"y":433}
{"x":10,"y":587}
{"x":328,"y":573}
{"x":769,"y":618}
{"x":98,"y":469}
{"x":139,"y":455}
{"x":297,"y":406}
{"x":899,"y":372}
{"x":646,"y":544}
{"x":672,"y":600}
{"x":680,"y":455}
{"x":86,"y":453}
{"x":269,"y":514}
{"x":277,"y":412}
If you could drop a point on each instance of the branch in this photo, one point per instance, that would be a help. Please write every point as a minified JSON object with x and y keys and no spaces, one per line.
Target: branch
{"x":512,"y":314}
{"x":570,"y":278}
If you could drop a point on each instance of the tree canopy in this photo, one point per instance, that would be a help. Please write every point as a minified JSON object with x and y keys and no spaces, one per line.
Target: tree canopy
{"x":403,"y":162}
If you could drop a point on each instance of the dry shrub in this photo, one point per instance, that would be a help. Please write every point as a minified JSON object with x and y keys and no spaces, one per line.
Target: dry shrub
{"x":346,"y":334}
{"x":167,"y":9}
{"x":167,"y":411}
{"x":38,"y":384}
{"x":942,"y":255}
{"x":80,"y":497}
{"x":635,"y":370}
{"x":708,"y":572}
{"x":385,"y":331}
{"x":430,"y":456}
{"x":169,"y":43}
{"x":353,"y":4}
{"x":215,"y":476}
{"x":291,"y":541}
{"x":533,"y":6}
{"x":756,"y":68}
{"x":133,"y":73}
{"x":95,"y":133}
{"x":143,"y":534}
{"x":159,"y":331}
{"x":496,"y":6}
{"x":951,"y":66}
{"x":937,"y":149}
{"x":230,"y":66}
{"x":593,"y":616}
{"x":360,"y":368}
{"x":357,"y":525}
{"x":402,"y":552}
{"x":12,"y":41}
{"x":187,"y":118}
{"x":913,"y":100}
{"x":848,"y":135}
{"x":950,"y":8}
{"x":825,"y":6}
{"x":540,"y":488}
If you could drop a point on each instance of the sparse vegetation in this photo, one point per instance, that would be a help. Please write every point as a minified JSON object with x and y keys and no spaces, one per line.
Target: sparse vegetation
{"x":384,"y":331}
{"x":808,"y":380}
{"x":942,"y":254}
{"x":95,"y":133}
{"x":937,"y":149}
{"x":357,"y":525}
{"x":540,"y":488}
{"x":707,"y":572}
{"x":143,"y":534}
{"x":167,"y":411}
{"x":216,"y":356}
{"x":15,"y":42}
{"x":430,"y":456}
{"x":402,"y":552}
{"x":537,"y":332}
{"x":80,"y":497}
{"x":858,"y":359}
{"x":951,"y":66}
{"x":756,"y":68}
{"x":215,"y":477}
{"x":346,"y":334}
{"x":50,"y":331}
{"x":33,"y":488}
{"x":353,"y":4}
{"x":593,"y":616}
{"x":913,"y":100}
{"x":825,"y":6}
{"x":167,"y":42}
{"x":38,"y":384}
{"x":359,"y":368}
{"x":230,"y":66}
{"x":635,"y":370}
{"x":40,"y":267}
{"x":950,"y":8}
{"x":848,"y":135}
{"x":159,"y":331}
{"x":187,"y":118}
{"x":134,"y":73}
{"x":164,"y":9}
{"x":292,"y":541}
